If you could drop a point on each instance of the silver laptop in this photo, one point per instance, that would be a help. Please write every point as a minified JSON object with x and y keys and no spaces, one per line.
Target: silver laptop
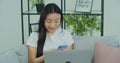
{"x":74,"y":56}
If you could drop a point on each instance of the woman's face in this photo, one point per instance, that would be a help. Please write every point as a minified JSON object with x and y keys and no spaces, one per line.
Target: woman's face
{"x":52,"y":22}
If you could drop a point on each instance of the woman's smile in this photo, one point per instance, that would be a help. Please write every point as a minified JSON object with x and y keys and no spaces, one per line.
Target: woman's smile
{"x":52,"y":22}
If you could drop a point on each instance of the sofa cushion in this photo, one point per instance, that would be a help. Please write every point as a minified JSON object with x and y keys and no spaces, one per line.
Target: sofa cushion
{"x":22,"y":53}
{"x":106,"y":54}
{"x":88,"y":42}
{"x":9,"y":57}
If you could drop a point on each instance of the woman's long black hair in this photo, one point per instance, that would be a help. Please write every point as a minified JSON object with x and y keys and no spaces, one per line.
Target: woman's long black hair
{"x":49,"y":8}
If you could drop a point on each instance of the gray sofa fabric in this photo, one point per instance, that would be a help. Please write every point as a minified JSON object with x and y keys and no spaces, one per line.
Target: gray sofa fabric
{"x":88,"y":43}
{"x":20,"y":53}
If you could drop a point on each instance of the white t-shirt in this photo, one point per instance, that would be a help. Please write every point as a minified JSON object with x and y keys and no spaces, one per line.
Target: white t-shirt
{"x":60,"y":37}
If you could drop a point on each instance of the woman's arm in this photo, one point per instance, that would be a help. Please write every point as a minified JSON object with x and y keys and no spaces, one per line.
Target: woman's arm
{"x":32,"y":55}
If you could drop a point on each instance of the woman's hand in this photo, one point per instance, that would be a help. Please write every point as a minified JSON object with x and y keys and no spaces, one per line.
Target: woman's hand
{"x":53,"y":49}
{"x":69,"y":47}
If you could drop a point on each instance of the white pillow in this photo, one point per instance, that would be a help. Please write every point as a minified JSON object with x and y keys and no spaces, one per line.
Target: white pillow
{"x":9,"y":57}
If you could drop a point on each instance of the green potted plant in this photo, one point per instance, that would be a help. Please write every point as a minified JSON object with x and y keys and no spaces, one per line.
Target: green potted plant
{"x":83,"y":24}
{"x":38,"y":3}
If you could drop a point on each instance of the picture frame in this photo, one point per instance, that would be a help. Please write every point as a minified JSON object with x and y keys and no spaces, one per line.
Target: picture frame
{"x":84,"y":6}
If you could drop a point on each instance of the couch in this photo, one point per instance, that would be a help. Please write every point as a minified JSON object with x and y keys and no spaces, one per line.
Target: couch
{"x":20,"y":53}
{"x":104,"y":49}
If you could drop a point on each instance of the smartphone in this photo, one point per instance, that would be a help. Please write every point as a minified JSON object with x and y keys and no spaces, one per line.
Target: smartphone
{"x":61,"y":47}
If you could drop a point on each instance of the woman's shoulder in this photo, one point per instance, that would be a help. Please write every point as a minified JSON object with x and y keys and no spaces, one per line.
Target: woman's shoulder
{"x":32,"y":40}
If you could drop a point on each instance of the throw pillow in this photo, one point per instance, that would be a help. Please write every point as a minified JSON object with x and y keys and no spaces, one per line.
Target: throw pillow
{"x":9,"y":57}
{"x":106,"y":54}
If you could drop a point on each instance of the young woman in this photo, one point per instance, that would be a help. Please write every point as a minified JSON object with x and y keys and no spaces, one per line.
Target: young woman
{"x":49,"y":36}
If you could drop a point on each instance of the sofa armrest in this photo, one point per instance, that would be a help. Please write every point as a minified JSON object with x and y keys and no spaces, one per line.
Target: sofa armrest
{"x":22,"y":53}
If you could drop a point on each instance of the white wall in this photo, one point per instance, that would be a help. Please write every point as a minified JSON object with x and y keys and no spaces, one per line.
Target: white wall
{"x":10,"y":24}
{"x":10,"y":21}
{"x":112,"y":17}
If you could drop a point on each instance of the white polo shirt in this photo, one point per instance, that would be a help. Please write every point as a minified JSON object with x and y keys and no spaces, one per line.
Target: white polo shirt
{"x":60,"y":37}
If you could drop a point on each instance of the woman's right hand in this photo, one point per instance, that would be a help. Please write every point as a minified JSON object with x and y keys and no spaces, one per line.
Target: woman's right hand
{"x":53,"y":49}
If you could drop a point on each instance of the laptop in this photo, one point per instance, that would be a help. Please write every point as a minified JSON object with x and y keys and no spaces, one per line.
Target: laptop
{"x":73,"y":56}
